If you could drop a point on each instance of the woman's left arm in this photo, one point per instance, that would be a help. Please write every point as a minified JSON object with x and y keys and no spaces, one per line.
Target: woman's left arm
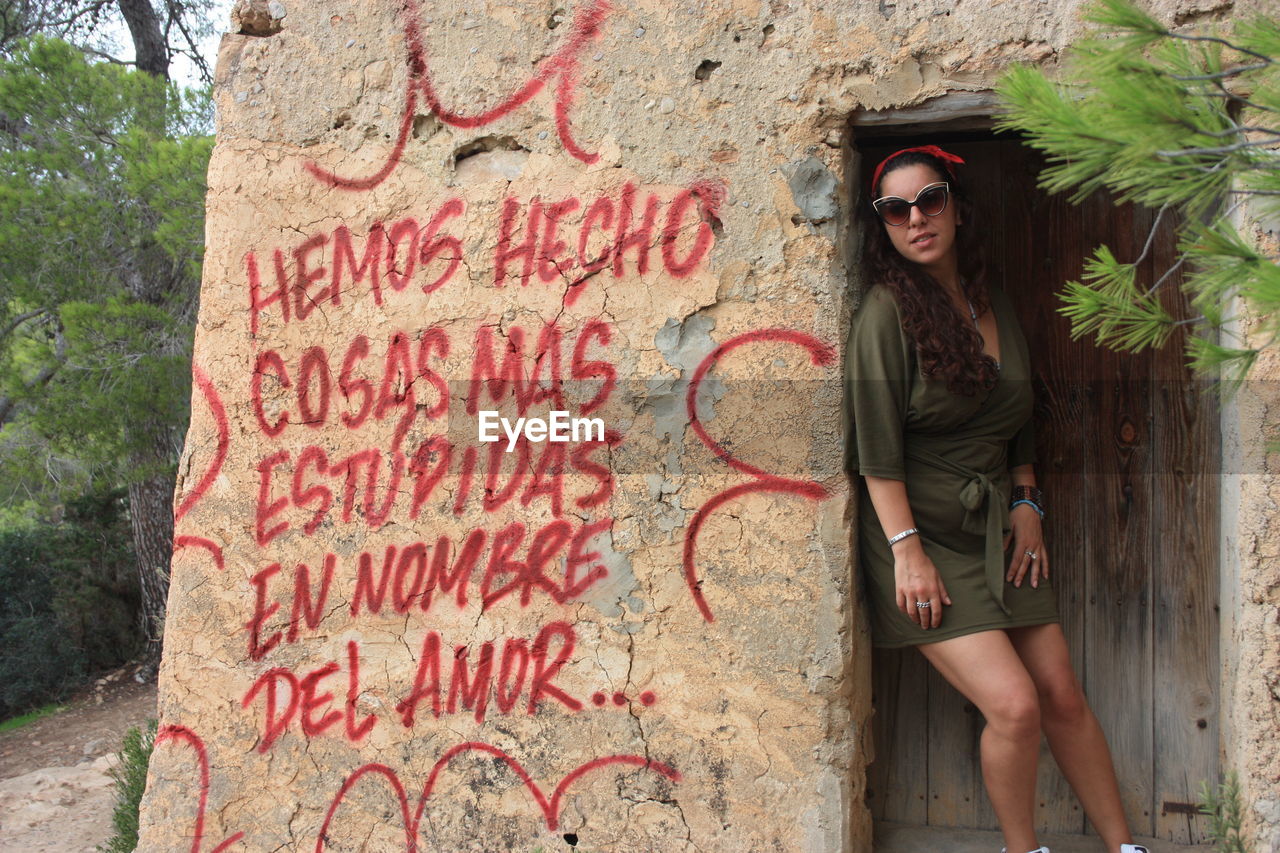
{"x":1027,"y":534}
{"x":1025,"y":526}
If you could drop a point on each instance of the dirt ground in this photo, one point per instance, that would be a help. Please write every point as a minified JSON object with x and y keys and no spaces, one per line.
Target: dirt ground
{"x":55,"y":791}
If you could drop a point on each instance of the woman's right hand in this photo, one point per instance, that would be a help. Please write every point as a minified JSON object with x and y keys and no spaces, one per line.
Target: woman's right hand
{"x":917,"y":579}
{"x":915,"y":576}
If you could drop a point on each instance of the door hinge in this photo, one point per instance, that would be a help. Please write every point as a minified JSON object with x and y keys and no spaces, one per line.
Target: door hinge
{"x":1171,"y":807}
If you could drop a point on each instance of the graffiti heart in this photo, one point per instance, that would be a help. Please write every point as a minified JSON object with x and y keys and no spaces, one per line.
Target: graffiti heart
{"x":550,"y":806}
{"x":561,"y":66}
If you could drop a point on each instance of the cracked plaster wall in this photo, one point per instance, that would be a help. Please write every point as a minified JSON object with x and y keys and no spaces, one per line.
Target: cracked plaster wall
{"x":716,"y":696}
{"x":1250,"y":583}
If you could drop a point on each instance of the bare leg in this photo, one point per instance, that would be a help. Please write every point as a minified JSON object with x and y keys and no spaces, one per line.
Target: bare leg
{"x":1075,"y":737}
{"x":986,"y":669}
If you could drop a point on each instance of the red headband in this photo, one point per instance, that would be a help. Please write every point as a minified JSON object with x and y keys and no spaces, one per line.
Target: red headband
{"x":945,"y":156}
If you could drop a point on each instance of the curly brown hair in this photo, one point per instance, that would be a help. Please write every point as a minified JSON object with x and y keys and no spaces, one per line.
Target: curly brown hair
{"x":948,"y":346}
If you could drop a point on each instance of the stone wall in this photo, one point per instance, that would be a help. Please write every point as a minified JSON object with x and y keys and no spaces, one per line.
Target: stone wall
{"x":382,"y":628}
{"x":1250,"y":583}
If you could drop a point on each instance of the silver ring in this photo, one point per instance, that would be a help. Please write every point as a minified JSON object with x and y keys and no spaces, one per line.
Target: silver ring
{"x":922,"y":603}
{"x":1031,"y":554}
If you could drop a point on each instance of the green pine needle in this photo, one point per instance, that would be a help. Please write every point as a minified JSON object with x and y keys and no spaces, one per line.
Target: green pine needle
{"x":1151,"y":116}
{"x":1111,"y":306}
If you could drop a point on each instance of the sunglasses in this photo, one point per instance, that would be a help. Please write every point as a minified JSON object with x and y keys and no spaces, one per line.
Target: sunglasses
{"x":931,"y":200}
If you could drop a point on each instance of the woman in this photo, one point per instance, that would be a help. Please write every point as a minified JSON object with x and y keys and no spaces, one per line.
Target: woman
{"x":950,"y":524}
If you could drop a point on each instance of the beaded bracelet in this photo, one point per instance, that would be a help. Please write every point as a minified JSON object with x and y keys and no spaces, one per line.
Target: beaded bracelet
{"x":1028,"y":493}
{"x":1031,"y":504}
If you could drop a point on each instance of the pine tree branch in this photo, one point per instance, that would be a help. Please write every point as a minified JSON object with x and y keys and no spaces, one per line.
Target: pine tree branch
{"x":1240,"y":128}
{"x":1225,"y":149}
{"x":1225,"y":215}
{"x":1260,"y":167}
{"x":1246,"y":51}
{"x":8,"y":404}
{"x":91,"y":51}
{"x":1167,"y":273}
{"x":19,"y":320}
{"x":1245,"y":102}
{"x":90,"y":10}
{"x":1151,"y":235}
{"x":192,"y":52}
{"x":1217,"y":75}
{"x":1187,"y":321}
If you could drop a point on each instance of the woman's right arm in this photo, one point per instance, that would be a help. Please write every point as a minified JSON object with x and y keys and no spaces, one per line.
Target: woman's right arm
{"x":879,"y":368}
{"x":915,"y":576}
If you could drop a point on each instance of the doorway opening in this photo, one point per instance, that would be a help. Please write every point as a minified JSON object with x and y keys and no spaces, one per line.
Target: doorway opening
{"x":1129,"y":458}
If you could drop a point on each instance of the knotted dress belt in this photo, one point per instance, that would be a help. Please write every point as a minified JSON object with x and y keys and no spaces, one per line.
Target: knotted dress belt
{"x":978,"y":491}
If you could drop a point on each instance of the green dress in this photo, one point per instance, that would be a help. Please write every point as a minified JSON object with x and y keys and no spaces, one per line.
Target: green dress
{"x":954,"y":453}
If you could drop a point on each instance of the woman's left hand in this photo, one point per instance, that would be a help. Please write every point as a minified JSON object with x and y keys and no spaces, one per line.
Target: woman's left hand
{"x":1027,"y":535}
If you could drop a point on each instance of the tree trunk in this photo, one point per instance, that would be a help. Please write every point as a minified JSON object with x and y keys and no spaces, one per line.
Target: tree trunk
{"x":150,"y":50}
{"x":151,"y":516}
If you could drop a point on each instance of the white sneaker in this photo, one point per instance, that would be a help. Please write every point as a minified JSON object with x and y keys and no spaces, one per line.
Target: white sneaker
{"x":1133,"y":848}
{"x":1046,"y":850}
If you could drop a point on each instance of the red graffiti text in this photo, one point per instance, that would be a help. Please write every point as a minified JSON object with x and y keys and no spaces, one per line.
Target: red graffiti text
{"x":410,"y":579}
{"x":517,"y":674}
{"x":572,"y":241}
{"x":323,"y":268}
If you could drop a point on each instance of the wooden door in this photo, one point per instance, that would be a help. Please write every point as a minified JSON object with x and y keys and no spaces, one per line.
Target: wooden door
{"x":1128,"y":452}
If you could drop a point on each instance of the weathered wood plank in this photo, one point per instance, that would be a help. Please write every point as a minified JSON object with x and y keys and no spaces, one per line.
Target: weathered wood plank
{"x":1185,"y":444}
{"x":957,"y":795}
{"x":1118,"y":678}
{"x":1058,"y":365}
{"x":898,"y":777}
